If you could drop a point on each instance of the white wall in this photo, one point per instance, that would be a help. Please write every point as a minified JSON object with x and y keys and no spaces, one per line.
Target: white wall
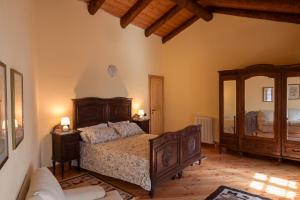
{"x":192,"y":59}
{"x":74,"y":51}
{"x":16,"y":51}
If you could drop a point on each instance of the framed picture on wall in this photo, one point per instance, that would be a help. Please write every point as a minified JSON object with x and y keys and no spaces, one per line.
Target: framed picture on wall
{"x":3,"y":116}
{"x":267,"y":94}
{"x":293,"y":91}
{"x":16,"y":79}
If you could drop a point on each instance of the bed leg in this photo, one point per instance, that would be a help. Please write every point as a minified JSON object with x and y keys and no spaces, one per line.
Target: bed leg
{"x":151,"y":193}
{"x":279,"y":161}
{"x":241,"y":154}
{"x":180,"y":175}
{"x":220,"y":149}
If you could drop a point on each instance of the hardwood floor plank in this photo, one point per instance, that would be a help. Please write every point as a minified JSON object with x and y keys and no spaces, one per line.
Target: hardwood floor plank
{"x":228,"y":169}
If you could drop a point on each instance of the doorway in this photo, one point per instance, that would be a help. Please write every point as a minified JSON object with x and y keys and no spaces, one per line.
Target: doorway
{"x":156,"y":95}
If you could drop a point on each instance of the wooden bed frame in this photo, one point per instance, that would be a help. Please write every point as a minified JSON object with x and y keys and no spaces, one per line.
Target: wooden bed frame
{"x":170,"y":152}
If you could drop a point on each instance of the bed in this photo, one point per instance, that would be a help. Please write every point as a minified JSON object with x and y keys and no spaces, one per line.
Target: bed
{"x":144,"y":159}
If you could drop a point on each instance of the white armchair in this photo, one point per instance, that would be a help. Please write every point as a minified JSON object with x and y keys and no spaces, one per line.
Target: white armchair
{"x":44,"y":186}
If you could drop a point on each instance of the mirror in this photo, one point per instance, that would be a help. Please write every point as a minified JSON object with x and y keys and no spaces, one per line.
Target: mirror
{"x":293,"y":108}
{"x":259,"y":106}
{"x":17,"y":107}
{"x":3,"y":119}
{"x":229,"y":96}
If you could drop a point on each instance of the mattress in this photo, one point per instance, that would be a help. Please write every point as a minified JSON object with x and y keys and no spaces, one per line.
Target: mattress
{"x":126,"y":159}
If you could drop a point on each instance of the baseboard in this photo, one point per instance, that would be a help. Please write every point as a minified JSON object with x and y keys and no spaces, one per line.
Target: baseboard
{"x":24,"y":188}
{"x":207,"y":145}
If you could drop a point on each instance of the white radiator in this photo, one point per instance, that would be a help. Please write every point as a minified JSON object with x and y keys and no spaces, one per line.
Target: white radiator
{"x":206,"y":129}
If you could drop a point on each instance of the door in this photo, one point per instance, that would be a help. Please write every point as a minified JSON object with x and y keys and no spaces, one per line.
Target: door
{"x":291,"y":115}
{"x":156,"y":94}
{"x":228,"y":112}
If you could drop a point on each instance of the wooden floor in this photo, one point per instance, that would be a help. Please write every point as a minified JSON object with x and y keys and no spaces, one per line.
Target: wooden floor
{"x":257,"y":175}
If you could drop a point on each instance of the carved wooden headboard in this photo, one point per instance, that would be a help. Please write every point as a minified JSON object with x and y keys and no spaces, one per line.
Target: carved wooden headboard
{"x":92,"y":110}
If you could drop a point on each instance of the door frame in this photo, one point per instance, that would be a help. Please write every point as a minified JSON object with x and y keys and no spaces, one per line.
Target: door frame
{"x":163,"y":99}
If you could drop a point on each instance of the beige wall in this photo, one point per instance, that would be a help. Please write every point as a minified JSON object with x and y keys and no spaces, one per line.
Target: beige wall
{"x":17,"y":52}
{"x":191,"y":61}
{"x":74,"y":51}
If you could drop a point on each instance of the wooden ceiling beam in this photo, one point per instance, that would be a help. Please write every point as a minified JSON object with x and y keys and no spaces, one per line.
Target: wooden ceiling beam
{"x":179,"y":29}
{"x":94,"y":6}
{"x":274,"y":16}
{"x":136,"y":9}
{"x":285,"y":6}
{"x":195,"y":8}
{"x":162,"y":20}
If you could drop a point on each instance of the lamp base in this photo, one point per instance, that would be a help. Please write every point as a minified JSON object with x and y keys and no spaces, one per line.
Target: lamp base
{"x":65,"y":128}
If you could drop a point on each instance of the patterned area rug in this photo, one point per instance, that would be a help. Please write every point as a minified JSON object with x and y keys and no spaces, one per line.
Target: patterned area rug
{"x":88,"y":179}
{"x":227,"y":193}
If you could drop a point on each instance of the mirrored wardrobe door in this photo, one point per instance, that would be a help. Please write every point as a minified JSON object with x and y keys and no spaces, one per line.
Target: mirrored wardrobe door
{"x":293,"y":109}
{"x":229,"y":107}
{"x":229,"y":134}
{"x":259,"y":107}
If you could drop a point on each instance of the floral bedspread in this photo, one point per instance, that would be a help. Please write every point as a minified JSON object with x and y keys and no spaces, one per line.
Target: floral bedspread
{"x":126,"y":159}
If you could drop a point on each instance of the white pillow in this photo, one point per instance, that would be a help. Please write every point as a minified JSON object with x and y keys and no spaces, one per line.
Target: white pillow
{"x":127,"y":129}
{"x":99,"y":135}
{"x":85,"y":131}
{"x":44,"y":186}
{"x":134,"y":129}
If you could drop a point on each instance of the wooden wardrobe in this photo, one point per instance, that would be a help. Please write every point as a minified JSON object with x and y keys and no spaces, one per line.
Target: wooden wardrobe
{"x":260,"y":110}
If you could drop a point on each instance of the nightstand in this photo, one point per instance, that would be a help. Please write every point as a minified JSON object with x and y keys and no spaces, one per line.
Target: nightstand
{"x":144,"y":124}
{"x":65,"y":148}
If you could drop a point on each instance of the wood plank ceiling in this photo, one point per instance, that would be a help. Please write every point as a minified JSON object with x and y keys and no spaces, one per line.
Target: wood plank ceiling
{"x":167,"y":18}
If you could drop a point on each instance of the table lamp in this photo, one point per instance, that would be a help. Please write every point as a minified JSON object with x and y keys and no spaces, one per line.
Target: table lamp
{"x":65,"y":122}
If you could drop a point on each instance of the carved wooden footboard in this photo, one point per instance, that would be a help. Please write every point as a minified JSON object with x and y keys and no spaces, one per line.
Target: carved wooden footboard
{"x":171,"y":152}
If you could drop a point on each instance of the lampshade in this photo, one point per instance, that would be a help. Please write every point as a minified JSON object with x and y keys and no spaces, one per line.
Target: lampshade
{"x":65,"y":121}
{"x":141,"y":113}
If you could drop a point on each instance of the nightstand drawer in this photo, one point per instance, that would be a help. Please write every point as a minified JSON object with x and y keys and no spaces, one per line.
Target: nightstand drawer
{"x":71,"y":150}
{"x":143,"y":124}
{"x":71,"y":138}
